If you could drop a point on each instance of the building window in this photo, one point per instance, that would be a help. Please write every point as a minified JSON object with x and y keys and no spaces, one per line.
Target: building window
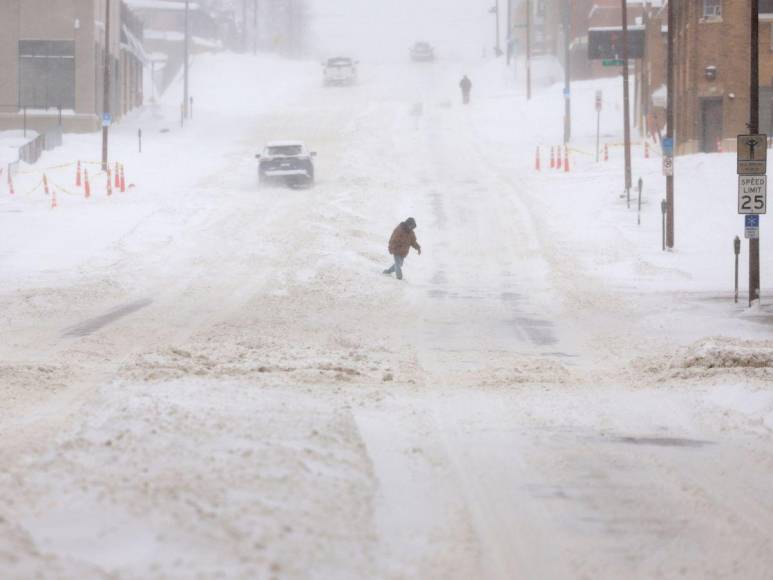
{"x":712,"y":8}
{"x":47,"y":74}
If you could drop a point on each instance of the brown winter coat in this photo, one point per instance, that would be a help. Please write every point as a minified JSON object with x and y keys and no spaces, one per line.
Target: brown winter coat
{"x":402,"y":240}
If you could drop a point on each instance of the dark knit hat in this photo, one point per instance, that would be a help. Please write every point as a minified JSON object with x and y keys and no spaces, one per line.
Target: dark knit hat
{"x":410,"y":222}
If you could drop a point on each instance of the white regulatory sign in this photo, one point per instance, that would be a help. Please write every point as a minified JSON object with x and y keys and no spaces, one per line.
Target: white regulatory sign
{"x":752,"y":194}
{"x":668,"y":166}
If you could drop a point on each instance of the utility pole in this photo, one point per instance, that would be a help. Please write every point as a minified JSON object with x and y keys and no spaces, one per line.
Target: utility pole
{"x":754,"y":127}
{"x":509,"y":28}
{"x":106,"y":88}
{"x":626,"y":104}
{"x":255,"y":27}
{"x":567,"y":72}
{"x":186,"y":58}
{"x":671,"y":97}
{"x":244,"y":25}
{"x":495,"y":11}
{"x":644,"y":86}
{"x":528,"y":50}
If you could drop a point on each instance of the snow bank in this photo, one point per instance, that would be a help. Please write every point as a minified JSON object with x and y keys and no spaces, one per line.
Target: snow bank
{"x":723,"y":353}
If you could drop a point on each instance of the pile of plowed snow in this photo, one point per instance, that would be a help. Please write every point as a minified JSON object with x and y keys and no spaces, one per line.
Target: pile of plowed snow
{"x":723,"y":353}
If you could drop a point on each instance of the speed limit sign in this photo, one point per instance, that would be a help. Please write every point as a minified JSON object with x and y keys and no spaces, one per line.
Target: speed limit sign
{"x":752,"y":194}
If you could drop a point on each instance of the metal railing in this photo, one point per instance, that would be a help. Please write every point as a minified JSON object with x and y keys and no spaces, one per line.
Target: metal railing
{"x":32,"y":151}
{"x":49,"y":139}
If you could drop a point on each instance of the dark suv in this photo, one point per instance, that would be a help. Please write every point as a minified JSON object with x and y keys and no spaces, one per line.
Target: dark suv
{"x":288,"y":162}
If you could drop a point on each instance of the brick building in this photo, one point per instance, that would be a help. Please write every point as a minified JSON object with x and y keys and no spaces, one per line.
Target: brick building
{"x":52,"y":62}
{"x":712,"y":72}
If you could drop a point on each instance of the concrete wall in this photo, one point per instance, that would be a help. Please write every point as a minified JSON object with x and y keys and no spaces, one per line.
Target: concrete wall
{"x":80,"y":21}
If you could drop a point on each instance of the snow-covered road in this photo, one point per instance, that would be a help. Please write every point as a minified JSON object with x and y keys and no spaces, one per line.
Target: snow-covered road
{"x":223,"y":383}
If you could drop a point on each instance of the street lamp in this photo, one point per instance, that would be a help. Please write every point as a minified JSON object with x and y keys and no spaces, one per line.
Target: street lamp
{"x":495,"y":11}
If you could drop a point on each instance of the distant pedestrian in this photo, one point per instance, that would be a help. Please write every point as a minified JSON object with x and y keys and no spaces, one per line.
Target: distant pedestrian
{"x":402,"y":240}
{"x":466,"y":85}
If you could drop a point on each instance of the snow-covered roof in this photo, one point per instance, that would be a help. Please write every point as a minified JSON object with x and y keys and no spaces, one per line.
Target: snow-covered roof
{"x":134,"y":45}
{"x":284,"y":143}
{"x":618,"y":28}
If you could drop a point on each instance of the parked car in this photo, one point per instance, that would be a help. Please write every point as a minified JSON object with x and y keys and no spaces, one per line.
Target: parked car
{"x":340,"y":70}
{"x":288,"y":162}
{"x":422,"y":52}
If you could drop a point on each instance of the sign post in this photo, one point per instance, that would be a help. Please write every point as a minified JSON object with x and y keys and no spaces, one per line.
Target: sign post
{"x":737,"y":252}
{"x":664,"y":211}
{"x":752,"y":166}
{"x":753,"y":149}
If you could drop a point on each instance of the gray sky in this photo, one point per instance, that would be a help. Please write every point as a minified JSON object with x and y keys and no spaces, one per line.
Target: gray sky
{"x":385,"y":29}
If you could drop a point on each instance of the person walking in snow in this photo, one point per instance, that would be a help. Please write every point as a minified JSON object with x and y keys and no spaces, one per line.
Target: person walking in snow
{"x":402,"y":240}
{"x":466,"y":85}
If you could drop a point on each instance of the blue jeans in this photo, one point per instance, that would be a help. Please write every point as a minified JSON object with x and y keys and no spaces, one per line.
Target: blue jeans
{"x":397,"y":267}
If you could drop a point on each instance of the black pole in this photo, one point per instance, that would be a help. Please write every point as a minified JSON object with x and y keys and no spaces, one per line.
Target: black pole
{"x":106,"y":88}
{"x":626,"y":105}
{"x":754,"y":128}
{"x":186,"y":58}
{"x":244,"y":25}
{"x":528,"y":50}
{"x":497,"y":48}
{"x":670,"y":125}
{"x":567,"y":73}
{"x":509,"y":28}
{"x":255,"y":27}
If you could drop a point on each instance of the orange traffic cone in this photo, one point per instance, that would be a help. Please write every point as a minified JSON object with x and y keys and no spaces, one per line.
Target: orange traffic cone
{"x":552,"y":158}
{"x":606,"y":152}
{"x":559,"y":161}
{"x":78,"y":175}
{"x":45,"y":184}
{"x":719,"y":145}
{"x":109,"y":183}
{"x":53,"y":200}
{"x":537,"y":161}
{"x":646,"y":149}
{"x":117,"y":176}
{"x":86,"y":184}
{"x":123,"y":180}
{"x":10,"y":183}
{"x":566,"y":159}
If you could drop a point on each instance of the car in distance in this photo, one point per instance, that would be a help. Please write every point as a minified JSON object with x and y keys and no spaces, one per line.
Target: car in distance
{"x":340,"y":70}
{"x":288,"y":162}
{"x":422,"y":52}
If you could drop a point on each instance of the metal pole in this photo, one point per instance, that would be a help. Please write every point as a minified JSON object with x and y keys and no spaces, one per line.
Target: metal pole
{"x":106,"y":88}
{"x":528,"y":50}
{"x":671,"y":97}
{"x":645,"y":82}
{"x":186,"y":58}
{"x":567,"y":73}
{"x":244,"y":25}
{"x":598,"y":135}
{"x":255,"y":27}
{"x":754,"y":127}
{"x":139,"y":139}
{"x":664,"y":211}
{"x":736,"y":251}
{"x":626,"y":105}
{"x":509,"y":28}
{"x":638,"y":216}
{"x":497,"y":48}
